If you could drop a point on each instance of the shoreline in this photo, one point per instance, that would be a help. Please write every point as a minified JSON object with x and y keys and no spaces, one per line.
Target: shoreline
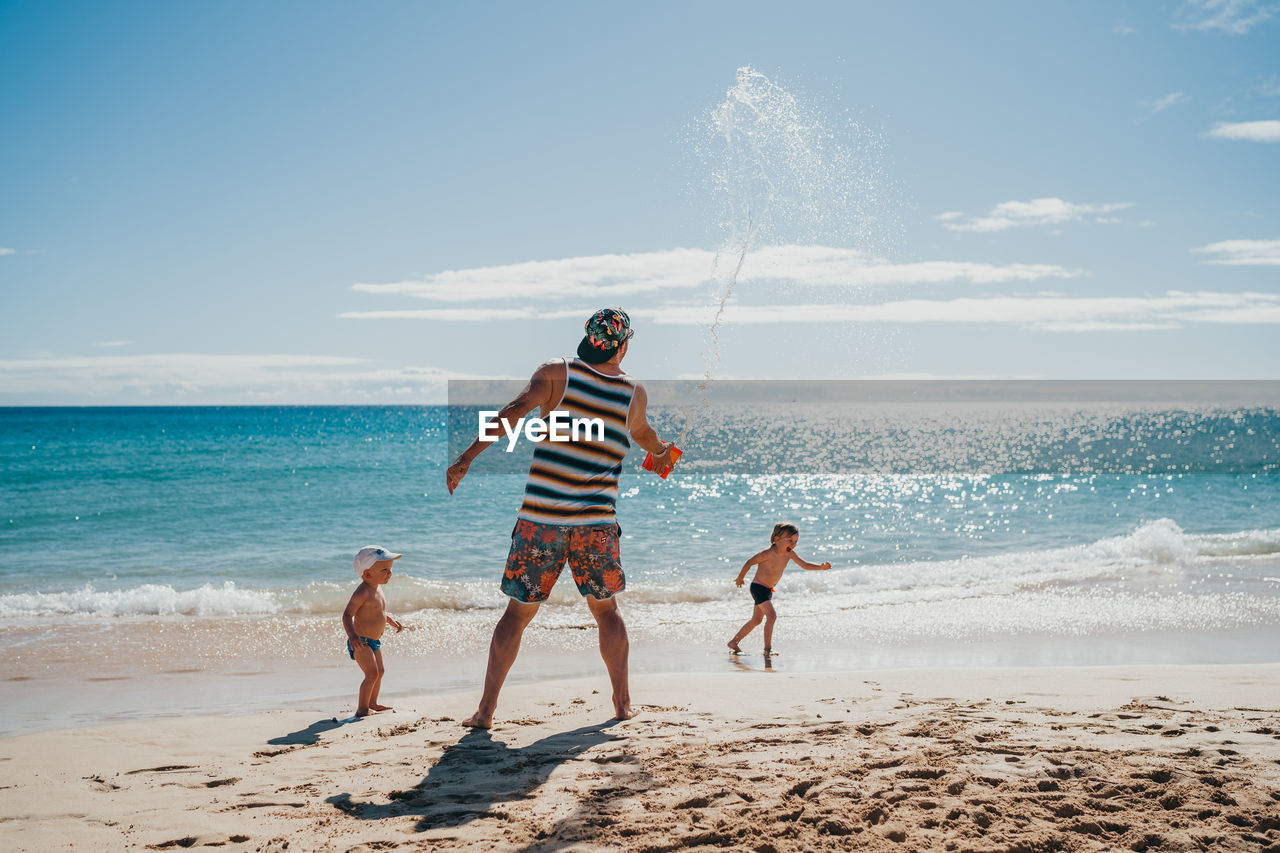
{"x":71,"y":690}
{"x":1049,"y":758}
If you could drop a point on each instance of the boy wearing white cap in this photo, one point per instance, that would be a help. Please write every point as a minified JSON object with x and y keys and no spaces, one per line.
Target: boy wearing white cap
{"x":364,"y":621}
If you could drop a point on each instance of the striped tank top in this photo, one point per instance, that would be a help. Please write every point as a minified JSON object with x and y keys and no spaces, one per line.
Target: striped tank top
{"x":576,"y":482}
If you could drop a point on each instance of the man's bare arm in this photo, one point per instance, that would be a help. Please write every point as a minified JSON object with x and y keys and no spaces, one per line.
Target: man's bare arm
{"x":536,"y":394}
{"x":643,"y":432}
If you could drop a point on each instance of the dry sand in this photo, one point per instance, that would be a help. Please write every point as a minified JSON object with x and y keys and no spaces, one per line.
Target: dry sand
{"x":1153,"y":758}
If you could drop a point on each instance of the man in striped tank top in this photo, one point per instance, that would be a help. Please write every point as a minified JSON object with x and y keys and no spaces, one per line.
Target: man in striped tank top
{"x":568,"y":510}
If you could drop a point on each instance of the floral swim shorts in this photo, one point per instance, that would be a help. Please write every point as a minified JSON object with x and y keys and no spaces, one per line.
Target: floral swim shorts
{"x":539,"y":551}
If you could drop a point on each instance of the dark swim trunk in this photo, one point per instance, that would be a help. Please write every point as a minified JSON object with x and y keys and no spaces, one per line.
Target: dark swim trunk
{"x":539,"y":552}
{"x":760,"y":593}
{"x":373,"y":645}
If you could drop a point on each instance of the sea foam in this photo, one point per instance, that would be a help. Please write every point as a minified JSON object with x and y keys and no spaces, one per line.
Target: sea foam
{"x":1154,"y":548}
{"x":145,"y":600}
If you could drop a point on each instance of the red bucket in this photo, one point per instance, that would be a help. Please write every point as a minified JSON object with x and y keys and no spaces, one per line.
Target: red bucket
{"x":676,"y":453}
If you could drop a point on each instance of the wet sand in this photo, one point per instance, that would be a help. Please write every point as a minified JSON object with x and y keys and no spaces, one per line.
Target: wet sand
{"x":87,"y":672}
{"x":1101,"y":758}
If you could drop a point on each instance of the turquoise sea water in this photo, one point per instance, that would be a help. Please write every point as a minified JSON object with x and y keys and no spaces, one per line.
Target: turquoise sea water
{"x":153,"y":560}
{"x":220,"y":511}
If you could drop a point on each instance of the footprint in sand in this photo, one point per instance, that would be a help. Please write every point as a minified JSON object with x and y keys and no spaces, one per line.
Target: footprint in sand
{"x":240,"y":807}
{"x":695,"y":803}
{"x":1097,"y":828}
{"x":100,"y":784}
{"x":922,"y":773}
{"x":202,"y":841}
{"x":218,"y":783}
{"x":800,"y":789}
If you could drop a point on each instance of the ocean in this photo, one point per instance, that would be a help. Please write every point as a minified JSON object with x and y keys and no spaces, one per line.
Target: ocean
{"x":150,"y":557}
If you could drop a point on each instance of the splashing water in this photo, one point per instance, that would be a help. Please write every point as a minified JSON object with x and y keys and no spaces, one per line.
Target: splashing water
{"x":783,"y":175}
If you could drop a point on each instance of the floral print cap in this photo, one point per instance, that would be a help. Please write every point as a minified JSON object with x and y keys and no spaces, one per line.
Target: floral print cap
{"x":606,"y":332}
{"x":607,"y":329}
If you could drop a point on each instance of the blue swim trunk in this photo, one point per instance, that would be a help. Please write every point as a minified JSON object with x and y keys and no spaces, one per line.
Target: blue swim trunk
{"x":373,"y":644}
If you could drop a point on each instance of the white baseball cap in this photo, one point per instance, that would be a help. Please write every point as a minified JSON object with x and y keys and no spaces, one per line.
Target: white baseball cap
{"x":370,"y":554}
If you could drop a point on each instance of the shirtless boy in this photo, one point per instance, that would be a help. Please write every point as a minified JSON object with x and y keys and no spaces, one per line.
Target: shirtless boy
{"x":365,"y":619}
{"x":770,"y":564}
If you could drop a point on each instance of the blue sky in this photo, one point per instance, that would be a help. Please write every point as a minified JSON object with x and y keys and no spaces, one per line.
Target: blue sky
{"x":334,"y":202}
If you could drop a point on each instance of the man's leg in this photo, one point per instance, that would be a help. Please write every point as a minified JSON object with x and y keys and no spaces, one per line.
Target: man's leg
{"x":503,"y":649}
{"x":614,"y":648}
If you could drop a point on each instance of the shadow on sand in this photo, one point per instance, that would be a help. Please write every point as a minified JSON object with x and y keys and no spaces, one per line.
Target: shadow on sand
{"x":309,"y":736}
{"x":478,"y":773}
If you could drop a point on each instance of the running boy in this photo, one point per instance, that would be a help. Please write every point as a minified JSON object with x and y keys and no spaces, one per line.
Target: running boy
{"x":365,"y":619}
{"x":770,"y":564}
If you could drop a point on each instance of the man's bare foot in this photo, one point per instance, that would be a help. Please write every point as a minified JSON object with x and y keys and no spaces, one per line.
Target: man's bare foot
{"x":381,"y":708}
{"x":479,"y":721}
{"x":769,"y":653}
{"x":362,"y":712}
{"x":734,"y":647}
{"x":623,"y":711}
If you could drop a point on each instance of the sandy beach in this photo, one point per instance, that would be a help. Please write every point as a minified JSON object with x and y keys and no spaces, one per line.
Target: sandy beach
{"x":1091,"y":758}
{"x":588,"y":320}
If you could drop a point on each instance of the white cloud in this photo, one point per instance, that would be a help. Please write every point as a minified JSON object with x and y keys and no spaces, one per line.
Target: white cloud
{"x":828,"y":267}
{"x":1123,"y":29}
{"x":1038,"y":211}
{"x":947,"y":377}
{"x":1249,"y":131}
{"x":601,"y":278}
{"x":7,"y":251}
{"x":1235,"y":17}
{"x":1264,"y":314}
{"x":461,"y":315}
{"x":897,"y":377}
{"x":1044,"y":312}
{"x":1102,"y":326}
{"x":1243,"y":253}
{"x":1161,"y":104}
{"x":113,"y":343}
{"x":595,"y":276}
{"x":467,"y":315}
{"x":201,"y":378}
